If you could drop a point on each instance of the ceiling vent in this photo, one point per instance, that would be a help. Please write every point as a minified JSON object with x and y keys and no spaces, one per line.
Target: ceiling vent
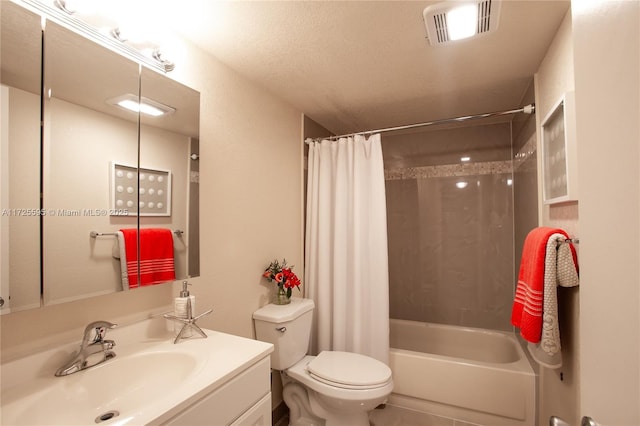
{"x":455,"y":20}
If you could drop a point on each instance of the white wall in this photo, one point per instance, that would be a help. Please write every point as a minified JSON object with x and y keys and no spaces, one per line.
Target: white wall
{"x":596,"y":53}
{"x":23,"y":192}
{"x":250,"y":188}
{"x":558,"y":389}
{"x":606,"y":43}
{"x":4,"y":199}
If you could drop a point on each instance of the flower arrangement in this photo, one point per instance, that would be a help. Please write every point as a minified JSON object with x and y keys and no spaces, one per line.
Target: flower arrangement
{"x":283,"y":276}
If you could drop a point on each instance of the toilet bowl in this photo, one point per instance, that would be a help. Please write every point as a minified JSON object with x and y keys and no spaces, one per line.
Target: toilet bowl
{"x":334,"y":396}
{"x":334,"y":388}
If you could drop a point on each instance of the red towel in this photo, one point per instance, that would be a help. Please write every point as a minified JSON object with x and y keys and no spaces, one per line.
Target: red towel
{"x":156,"y":256}
{"x":528,"y":303}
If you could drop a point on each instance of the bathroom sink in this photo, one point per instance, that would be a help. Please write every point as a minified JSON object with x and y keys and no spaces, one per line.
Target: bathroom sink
{"x":118,"y":385}
{"x":148,"y":380}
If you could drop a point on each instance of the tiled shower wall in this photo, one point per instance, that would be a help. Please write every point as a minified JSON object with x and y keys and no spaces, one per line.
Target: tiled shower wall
{"x":451,"y":225}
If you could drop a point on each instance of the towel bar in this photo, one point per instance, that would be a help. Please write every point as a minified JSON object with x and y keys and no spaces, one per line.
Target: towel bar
{"x":571,"y":241}
{"x":94,"y":234}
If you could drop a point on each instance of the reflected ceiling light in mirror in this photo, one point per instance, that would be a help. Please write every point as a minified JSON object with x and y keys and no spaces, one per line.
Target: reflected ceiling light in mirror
{"x":461,"y":184}
{"x":144,"y":106}
{"x":465,"y":159}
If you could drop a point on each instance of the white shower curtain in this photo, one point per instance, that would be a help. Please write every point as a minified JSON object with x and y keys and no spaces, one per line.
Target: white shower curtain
{"x":346,"y":267}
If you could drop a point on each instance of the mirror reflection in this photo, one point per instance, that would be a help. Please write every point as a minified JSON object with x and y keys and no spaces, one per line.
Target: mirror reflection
{"x":102,"y":168}
{"x":83,"y":133}
{"x":167,"y":143}
{"x":21,"y":47}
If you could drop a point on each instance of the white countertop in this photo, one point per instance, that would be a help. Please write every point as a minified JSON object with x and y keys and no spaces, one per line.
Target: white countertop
{"x":150,"y":378}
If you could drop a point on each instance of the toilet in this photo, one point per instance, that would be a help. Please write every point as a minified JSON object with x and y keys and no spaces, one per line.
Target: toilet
{"x":333,"y":388}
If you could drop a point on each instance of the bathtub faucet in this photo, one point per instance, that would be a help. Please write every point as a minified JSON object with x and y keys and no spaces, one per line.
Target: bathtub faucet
{"x":90,"y":353}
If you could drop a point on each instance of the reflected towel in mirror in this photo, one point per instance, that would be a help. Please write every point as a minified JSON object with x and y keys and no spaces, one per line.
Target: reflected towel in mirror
{"x":156,"y":256}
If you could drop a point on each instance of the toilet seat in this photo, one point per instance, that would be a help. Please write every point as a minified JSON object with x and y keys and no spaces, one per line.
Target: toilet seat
{"x":349,"y":370}
{"x":300,"y":373}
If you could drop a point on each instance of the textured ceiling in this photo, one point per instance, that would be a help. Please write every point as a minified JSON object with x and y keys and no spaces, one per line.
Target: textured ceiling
{"x":358,"y":65}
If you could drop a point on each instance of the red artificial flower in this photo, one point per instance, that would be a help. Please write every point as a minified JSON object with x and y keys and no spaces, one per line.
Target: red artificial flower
{"x":282,"y":274}
{"x":291,"y":280}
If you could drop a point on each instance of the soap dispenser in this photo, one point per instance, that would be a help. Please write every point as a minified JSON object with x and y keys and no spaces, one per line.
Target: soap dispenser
{"x":180,"y":307}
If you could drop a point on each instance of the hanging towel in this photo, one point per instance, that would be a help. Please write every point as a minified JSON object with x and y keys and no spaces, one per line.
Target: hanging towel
{"x":156,"y":256}
{"x":529,"y":298}
{"x":560,"y":269}
{"x":527,"y":306}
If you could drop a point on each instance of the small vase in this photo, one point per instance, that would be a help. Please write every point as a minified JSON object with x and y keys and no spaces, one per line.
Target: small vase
{"x":281,"y":297}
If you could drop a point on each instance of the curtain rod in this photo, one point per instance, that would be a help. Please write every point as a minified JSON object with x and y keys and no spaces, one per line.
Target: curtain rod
{"x":528,"y":109}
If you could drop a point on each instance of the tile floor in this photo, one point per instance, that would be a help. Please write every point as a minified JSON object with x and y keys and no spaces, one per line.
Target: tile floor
{"x":396,"y":416}
{"x":391,"y":415}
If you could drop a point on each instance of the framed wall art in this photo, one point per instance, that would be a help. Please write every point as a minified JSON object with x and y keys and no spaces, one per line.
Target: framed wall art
{"x":146,"y":192}
{"x":559,"y":152}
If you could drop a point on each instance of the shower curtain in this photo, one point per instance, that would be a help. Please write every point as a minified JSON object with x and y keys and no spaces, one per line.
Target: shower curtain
{"x":346,"y":267}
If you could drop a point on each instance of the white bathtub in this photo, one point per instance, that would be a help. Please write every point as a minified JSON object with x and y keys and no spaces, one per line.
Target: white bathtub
{"x":468,"y":374}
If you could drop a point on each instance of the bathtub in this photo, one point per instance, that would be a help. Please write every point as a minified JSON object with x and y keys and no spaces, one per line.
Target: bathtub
{"x":467,"y":374}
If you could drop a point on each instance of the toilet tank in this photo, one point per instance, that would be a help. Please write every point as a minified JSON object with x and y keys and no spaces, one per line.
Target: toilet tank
{"x":288,"y":328}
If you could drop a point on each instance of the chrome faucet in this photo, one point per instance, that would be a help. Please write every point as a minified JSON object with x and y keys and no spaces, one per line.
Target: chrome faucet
{"x":92,"y":352}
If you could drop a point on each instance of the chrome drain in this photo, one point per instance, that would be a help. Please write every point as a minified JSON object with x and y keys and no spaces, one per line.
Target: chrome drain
{"x":107,"y":416}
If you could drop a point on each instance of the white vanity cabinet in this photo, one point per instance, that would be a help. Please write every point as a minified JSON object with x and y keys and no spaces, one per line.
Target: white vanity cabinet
{"x":245,"y":400}
{"x":218,"y":381}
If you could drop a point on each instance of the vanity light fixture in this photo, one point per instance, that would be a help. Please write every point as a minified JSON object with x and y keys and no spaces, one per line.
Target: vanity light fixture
{"x":456,"y":20}
{"x":167,"y":64}
{"x":117,"y":34}
{"x":144,"y":105}
{"x":62,"y":5}
{"x":91,"y":24}
{"x":465,"y":159}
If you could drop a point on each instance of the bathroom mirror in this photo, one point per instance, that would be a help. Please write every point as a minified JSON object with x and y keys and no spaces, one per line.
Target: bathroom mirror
{"x":69,"y":250}
{"x":167,"y":145}
{"x":83,"y":133}
{"x":21,"y":47}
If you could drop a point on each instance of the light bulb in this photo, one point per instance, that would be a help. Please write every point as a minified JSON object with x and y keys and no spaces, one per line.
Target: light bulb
{"x":462,"y":21}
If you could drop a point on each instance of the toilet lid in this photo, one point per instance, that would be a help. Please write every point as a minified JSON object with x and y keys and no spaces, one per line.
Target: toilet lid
{"x":347,"y":369}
